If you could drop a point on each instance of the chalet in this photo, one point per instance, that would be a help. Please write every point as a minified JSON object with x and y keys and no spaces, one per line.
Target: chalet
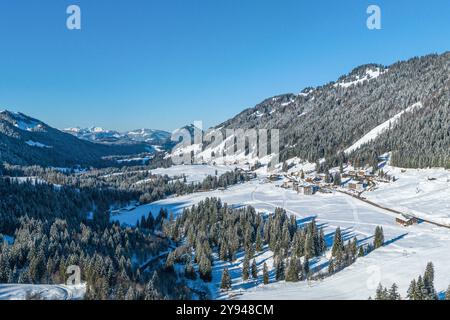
{"x":308,"y":190}
{"x":406,"y":221}
{"x":358,"y":186}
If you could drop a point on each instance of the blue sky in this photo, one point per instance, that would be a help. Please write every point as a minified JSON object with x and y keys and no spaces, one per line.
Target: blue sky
{"x":165,"y":63}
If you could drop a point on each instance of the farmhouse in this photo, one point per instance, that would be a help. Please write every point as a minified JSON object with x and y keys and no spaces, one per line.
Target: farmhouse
{"x":308,"y":190}
{"x":354,"y":185}
{"x":406,"y":221}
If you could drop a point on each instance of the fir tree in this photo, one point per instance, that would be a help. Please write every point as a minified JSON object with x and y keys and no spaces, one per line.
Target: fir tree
{"x":411,"y":293}
{"x":379,"y":237}
{"x":279,"y":271}
{"x":292,"y":271}
{"x":265,"y":274}
{"x":245,"y":269}
{"x":361,"y":251}
{"x":393,"y":293}
{"x":428,"y":280}
{"x":254,"y":270}
{"x":380,"y":293}
{"x":226,"y":280}
{"x":322,"y":242}
{"x":338,"y":246}
{"x":258,"y":242}
{"x":306,"y":268}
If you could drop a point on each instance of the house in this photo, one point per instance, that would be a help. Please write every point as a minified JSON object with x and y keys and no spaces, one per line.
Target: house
{"x":406,"y":221}
{"x":358,"y":186}
{"x":308,"y":190}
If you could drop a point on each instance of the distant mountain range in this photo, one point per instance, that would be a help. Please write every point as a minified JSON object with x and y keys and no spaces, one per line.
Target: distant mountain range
{"x":97,"y":134}
{"x":28,"y":141}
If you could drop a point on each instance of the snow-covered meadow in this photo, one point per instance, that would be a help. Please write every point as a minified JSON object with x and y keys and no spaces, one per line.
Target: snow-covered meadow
{"x":404,"y":257}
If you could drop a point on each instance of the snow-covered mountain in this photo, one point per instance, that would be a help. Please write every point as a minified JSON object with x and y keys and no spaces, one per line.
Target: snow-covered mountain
{"x":98,"y":134}
{"x":28,"y":141}
{"x":370,"y":111}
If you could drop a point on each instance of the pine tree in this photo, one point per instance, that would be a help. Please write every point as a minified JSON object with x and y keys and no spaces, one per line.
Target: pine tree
{"x":393,"y":293}
{"x":379,"y":237}
{"x":279,"y":271}
{"x":306,"y":268}
{"x":421,"y":292}
{"x":254,"y":270}
{"x":226,"y":280}
{"x":265,"y":274}
{"x":428,"y":280}
{"x":309,"y":246}
{"x":354,"y":247}
{"x":361,"y":251}
{"x":258,"y":242}
{"x":411,"y":293}
{"x":380,"y":293}
{"x":338,"y":246}
{"x":322,"y":242}
{"x":292,"y":271}
{"x":245,"y":269}
{"x":205,"y":269}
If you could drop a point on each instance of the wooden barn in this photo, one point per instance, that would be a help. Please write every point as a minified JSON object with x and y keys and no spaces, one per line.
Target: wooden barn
{"x":406,"y":221}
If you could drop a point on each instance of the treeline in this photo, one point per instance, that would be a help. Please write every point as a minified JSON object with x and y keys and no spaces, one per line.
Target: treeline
{"x":130,"y":183}
{"x":212,"y":227}
{"x":108,"y":259}
{"x":421,"y":288}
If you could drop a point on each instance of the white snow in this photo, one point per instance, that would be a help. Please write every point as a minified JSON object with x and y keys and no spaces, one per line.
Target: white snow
{"x":25,"y":124}
{"x":32,"y":143}
{"x":47,"y":292}
{"x":378,"y":130}
{"x":403,"y":258}
{"x":370,"y":75}
{"x":424,"y":193}
{"x":143,"y":160}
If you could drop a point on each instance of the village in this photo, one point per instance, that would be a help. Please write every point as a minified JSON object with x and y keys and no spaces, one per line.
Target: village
{"x":348,"y":180}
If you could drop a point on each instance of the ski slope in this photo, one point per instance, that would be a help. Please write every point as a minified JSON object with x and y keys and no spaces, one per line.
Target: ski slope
{"x":378,"y":130}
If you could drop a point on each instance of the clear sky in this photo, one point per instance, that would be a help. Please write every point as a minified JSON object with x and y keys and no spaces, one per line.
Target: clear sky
{"x":165,"y":63}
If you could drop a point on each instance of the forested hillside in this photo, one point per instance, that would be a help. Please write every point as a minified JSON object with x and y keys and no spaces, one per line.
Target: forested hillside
{"x":323,"y":122}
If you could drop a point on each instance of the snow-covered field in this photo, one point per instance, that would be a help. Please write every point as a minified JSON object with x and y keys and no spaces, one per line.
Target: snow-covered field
{"x":404,"y":257}
{"x":424,"y":193}
{"x":46,"y":292}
